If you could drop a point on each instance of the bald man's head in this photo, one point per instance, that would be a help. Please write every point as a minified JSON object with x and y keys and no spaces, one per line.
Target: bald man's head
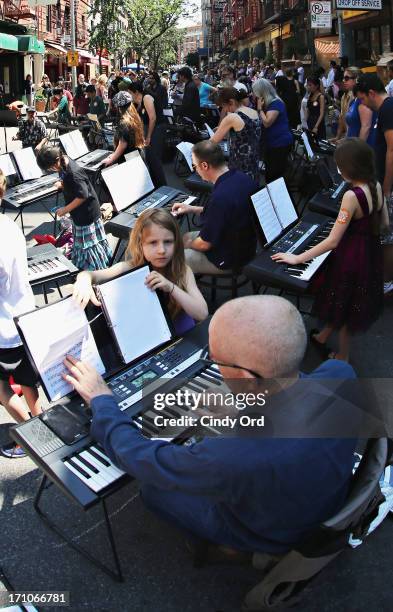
{"x":264,"y":333}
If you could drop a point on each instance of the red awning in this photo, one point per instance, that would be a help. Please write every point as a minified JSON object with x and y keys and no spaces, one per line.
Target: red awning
{"x":328,"y":45}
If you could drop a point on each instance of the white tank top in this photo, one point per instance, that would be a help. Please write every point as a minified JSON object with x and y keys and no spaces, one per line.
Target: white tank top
{"x":16,"y":295}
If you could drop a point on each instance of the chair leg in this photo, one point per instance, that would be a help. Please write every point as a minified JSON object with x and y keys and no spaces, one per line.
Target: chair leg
{"x":213,"y":292}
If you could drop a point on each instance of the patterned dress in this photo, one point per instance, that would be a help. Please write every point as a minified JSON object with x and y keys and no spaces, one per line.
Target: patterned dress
{"x":244,"y":147}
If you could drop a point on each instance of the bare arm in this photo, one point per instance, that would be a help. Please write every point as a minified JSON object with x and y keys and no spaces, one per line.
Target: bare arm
{"x":347,"y":210}
{"x":366,"y":116}
{"x":230,"y":121}
{"x":148,"y":101}
{"x":117,"y":153}
{"x":191,"y":299}
{"x":198,"y":244}
{"x":388,"y":180}
{"x":321,"y":113}
{"x":83,"y":290}
{"x":269,"y":118}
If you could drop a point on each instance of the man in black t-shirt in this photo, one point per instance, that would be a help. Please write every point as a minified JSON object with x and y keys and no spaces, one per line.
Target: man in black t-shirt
{"x":371,"y":91}
{"x":227,"y":236}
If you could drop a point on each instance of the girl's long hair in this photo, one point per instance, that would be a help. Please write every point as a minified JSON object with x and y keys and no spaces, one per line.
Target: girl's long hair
{"x":356,"y":160}
{"x":131,"y":120}
{"x":176,"y":270}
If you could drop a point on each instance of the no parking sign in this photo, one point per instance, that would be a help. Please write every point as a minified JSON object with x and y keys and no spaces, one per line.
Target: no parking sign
{"x":321,"y":14}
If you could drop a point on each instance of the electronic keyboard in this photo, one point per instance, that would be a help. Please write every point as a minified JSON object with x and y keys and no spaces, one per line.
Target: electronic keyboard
{"x":45,"y":263}
{"x":31,"y":191}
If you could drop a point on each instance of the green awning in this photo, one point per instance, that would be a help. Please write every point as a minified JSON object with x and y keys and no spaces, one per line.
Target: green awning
{"x":9,"y":42}
{"x":30,"y":44}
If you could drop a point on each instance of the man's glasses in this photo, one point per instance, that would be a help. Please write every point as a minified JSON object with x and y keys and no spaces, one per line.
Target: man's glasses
{"x":205,"y":356}
{"x":195,"y":166}
{"x":348,"y":78}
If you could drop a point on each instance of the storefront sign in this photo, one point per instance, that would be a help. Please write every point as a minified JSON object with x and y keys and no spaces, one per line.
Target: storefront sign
{"x":359,"y":5}
{"x":321,"y":14}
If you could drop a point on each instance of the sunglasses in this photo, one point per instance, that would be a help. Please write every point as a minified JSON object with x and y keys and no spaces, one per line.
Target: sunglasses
{"x":348,"y":78}
{"x":205,"y":357}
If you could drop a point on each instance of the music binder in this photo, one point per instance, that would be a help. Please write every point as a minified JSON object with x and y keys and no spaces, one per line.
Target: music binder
{"x":125,"y":317}
{"x":67,"y":331}
{"x":274,"y":210}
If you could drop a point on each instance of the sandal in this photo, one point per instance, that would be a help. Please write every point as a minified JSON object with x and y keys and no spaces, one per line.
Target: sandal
{"x":322,"y":347}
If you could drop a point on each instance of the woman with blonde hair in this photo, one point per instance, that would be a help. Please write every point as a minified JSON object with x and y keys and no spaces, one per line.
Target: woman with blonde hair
{"x":156,"y":240}
{"x":101,"y":87}
{"x":129,"y":132}
{"x":356,"y":119}
{"x":277,"y":137}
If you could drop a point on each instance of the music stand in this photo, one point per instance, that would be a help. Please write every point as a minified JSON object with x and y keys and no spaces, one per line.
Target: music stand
{"x":8,"y":118}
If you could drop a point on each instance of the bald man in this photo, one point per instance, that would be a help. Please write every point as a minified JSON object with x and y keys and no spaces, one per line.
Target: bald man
{"x":239,"y":491}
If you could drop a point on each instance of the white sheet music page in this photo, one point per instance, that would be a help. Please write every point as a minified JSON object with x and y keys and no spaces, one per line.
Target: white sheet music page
{"x":282,"y":202}
{"x":128,"y":182}
{"x":186,"y":149}
{"x":135,"y":314}
{"x":266,"y":214}
{"x":74,"y":144}
{"x":307,"y":146}
{"x":6,"y":165}
{"x":27,"y":164}
{"x":53,"y":332}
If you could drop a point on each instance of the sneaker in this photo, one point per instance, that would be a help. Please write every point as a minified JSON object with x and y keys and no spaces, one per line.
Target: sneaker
{"x":12,"y":451}
{"x":388,"y":287}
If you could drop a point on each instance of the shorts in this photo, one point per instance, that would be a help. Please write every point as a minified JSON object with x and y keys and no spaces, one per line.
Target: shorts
{"x":14,"y":361}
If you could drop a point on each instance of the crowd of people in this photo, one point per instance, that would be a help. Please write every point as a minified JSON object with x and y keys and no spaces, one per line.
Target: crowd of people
{"x":259,"y":107}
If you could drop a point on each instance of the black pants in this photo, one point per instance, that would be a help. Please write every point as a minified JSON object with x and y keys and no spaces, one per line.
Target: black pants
{"x":276,"y":162}
{"x":154,"y":156}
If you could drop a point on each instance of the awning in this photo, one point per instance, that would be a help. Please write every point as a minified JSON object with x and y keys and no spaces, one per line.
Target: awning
{"x":55,"y":49}
{"x":104,"y":62}
{"x":85,"y":54}
{"x":30,"y":44}
{"x":8,"y":42}
{"x":328,"y":45}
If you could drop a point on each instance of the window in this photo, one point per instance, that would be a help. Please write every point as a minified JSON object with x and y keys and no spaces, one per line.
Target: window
{"x":49,"y":19}
{"x":385,"y":38}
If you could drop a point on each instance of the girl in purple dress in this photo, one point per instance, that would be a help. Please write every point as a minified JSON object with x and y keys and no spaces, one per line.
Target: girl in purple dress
{"x":349,"y":289}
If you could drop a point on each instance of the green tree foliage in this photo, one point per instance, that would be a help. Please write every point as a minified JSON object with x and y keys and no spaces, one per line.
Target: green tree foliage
{"x":192,"y":59}
{"x":163,"y":50}
{"x":106,"y":32}
{"x":149,"y":20}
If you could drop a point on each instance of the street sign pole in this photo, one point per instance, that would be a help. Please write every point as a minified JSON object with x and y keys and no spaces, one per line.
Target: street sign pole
{"x":340,"y":28}
{"x":73,"y":45}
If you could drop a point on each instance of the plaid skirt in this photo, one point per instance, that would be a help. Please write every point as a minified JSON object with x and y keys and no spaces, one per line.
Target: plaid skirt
{"x":91,"y":250}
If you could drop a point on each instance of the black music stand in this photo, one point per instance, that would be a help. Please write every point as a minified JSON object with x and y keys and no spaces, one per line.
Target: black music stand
{"x":116,"y":574}
{"x":8,"y":118}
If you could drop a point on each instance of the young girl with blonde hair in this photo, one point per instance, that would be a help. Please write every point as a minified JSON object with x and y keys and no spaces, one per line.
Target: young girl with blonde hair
{"x":155,"y":239}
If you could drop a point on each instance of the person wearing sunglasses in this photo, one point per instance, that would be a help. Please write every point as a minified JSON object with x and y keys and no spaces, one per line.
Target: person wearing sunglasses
{"x":244,"y":491}
{"x":356,"y":119}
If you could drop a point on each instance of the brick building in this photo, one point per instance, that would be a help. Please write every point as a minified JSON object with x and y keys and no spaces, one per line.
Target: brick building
{"x":281,"y":28}
{"x":193,"y":40}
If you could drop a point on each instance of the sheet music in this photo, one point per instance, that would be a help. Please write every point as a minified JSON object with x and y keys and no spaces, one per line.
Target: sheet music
{"x":135,"y":313}
{"x":209,"y":130}
{"x":74,"y":144}
{"x":27,"y":164}
{"x":167,"y":112}
{"x":53,"y":332}
{"x":282,"y":202}
{"x":186,"y":149}
{"x":266,"y":214}
{"x":128,"y":182}
{"x":306,"y":142}
{"x":6,"y":165}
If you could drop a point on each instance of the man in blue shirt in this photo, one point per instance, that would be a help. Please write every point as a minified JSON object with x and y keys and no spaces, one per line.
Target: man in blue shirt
{"x":227,"y":236}
{"x":204,"y":90}
{"x":245,"y":492}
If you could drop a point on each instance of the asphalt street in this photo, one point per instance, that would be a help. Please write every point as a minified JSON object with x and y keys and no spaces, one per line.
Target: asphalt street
{"x":158,"y":570}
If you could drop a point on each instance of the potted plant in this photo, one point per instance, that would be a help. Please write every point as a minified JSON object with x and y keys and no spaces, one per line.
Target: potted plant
{"x":40,"y":100}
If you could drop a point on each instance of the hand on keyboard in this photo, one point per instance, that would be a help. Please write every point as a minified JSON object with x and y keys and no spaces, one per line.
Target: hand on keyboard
{"x":59,"y":185}
{"x":178,"y":208}
{"x":287,"y":258}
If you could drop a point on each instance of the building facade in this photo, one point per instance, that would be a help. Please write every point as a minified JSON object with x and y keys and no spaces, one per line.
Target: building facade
{"x":192,"y":41}
{"x":281,"y":29}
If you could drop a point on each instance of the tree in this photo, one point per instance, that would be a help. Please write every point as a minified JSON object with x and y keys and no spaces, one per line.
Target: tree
{"x":192,"y":59}
{"x":149,"y":20}
{"x":163,"y":50}
{"x":260,"y":50}
{"x":105,"y":32}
